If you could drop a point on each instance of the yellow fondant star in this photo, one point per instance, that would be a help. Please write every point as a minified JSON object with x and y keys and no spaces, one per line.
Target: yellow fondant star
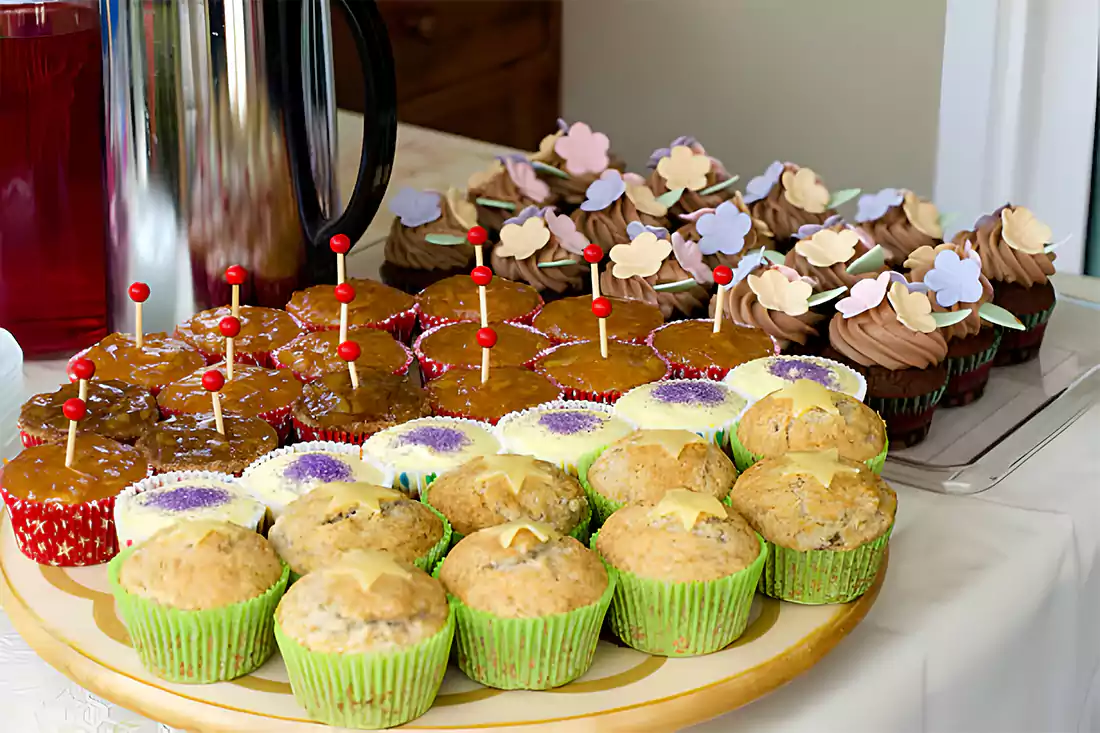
{"x":672,"y":441}
{"x":507,"y":532}
{"x":805,"y":395}
{"x":822,"y":465}
{"x":196,"y":530}
{"x":367,"y":566}
{"x":687,"y":506}
{"x":514,"y":469}
{"x":360,"y":495}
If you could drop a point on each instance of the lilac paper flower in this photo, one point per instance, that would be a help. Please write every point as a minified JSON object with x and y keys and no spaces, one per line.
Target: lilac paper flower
{"x":415,"y":208}
{"x":808,"y":230}
{"x":954,"y":280}
{"x":991,"y":218}
{"x":723,"y":231}
{"x":564,"y":228}
{"x":528,"y":212}
{"x":759,"y":186}
{"x":873,"y":206}
{"x":634,"y":228}
{"x":604,"y":191}
{"x":659,"y":153}
{"x":691,"y":259}
{"x":748,"y":263}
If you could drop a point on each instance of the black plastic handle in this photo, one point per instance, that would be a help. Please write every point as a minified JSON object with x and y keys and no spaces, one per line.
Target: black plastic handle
{"x":372,"y":44}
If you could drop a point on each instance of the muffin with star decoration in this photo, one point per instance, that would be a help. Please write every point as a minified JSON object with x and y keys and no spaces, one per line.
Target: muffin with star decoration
{"x":835,"y":255}
{"x":612,"y":203}
{"x":543,"y":249}
{"x":427,"y":241}
{"x":684,"y":166}
{"x":726,"y":233}
{"x":900,"y":221}
{"x":668,"y":274}
{"x":508,"y":186}
{"x":571,"y":159}
{"x":787,"y":196}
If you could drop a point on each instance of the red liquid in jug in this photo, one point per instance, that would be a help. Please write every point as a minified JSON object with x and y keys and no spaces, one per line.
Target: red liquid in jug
{"x":53,"y":283}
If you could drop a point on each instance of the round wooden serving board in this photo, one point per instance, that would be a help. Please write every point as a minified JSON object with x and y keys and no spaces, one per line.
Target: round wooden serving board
{"x":68,"y":616}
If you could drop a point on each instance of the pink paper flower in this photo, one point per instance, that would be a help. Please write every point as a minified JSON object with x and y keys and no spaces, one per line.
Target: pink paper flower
{"x":691,"y":259}
{"x":583,"y":150}
{"x":864,"y":295}
{"x":562,"y":227}
{"x":523,"y":175}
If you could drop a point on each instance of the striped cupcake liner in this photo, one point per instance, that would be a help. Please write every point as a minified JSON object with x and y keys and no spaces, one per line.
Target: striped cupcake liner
{"x":816,"y":577}
{"x":743,"y":458}
{"x":679,"y":370}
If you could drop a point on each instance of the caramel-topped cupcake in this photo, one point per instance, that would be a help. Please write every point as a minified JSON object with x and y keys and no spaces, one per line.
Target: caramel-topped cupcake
{"x":570,"y":319}
{"x":331,"y":409}
{"x":313,"y":355}
{"x":263,"y":330}
{"x":581,"y":371}
{"x":161,"y":360}
{"x":65,"y":516}
{"x":456,"y":299}
{"x":116,"y":410}
{"x":253,"y":392}
{"x":455,"y":345}
{"x":693,"y":350}
{"x":193,"y":443}
{"x":375,"y":305}
{"x":460,"y":393}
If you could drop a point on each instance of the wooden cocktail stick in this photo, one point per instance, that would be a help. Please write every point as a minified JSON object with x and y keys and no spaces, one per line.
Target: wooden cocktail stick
{"x":139,"y":293}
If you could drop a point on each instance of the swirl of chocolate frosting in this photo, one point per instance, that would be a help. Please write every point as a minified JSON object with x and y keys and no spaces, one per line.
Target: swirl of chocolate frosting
{"x":972,"y":324}
{"x":693,"y":200}
{"x":743,"y":308}
{"x":552,"y":279}
{"x":688,"y":302}
{"x":1002,"y":263}
{"x":877,"y":338}
{"x":571,"y":191}
{"x":607,"y":227}
{"x":500,"y":187}
{"x":407,"y":247}
{"x":759,"y":237}
{"x":833,"y":276}
{"x":897,"y":235}
{"x":781,"y":216}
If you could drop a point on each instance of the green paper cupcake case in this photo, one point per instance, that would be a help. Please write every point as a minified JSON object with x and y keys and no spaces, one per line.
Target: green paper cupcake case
{"x":581,"y":532}
{"x":528,"y":653}
{"x":683,"y":619}
{"x":743,"y":458}
{"x":368,"y":690}
{"x":200,"y":647}
{"x":816,"y":577}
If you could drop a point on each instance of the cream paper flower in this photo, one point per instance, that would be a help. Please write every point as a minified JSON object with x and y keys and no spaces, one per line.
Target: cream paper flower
{"x":682,"y":168}
{"x":914,"y":310}
{"x":482,"y":178}
{"x":642,"y":196}
{"x":921,"y":258}
{"x":641,"y":258}
{"x":1023,"y":232}
{"x":923,"y":215}
{"x":827,"y":248}
{"x":464,"y":211}
{"x":546,"y":148}
{"x":523,"y":240}
{"x":803,"y":190}
{"x":775,"y":292}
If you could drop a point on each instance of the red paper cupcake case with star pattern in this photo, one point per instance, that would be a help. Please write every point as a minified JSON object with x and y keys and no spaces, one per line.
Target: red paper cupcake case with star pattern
{"x":608,"y":397}
{"x":30,"y":441}
{"x":306,"y":433}
{"x":433,"y":369}
{"x":686,"y":371}
{"x":306,"y":379}
{"x":399,"y":324}
{"x":278,"y":419}
{"x":251,"y":358}
{"x":428,"y":322}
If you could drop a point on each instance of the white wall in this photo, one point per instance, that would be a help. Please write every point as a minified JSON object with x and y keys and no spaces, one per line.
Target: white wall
{"x":850,"y":88}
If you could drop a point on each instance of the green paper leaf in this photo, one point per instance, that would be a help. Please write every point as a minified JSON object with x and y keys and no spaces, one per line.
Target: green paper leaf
{"x":540,"y":166}
{"x":825,"y":297}
{"x":719,"y":186}
{"x":494,"y":204}
{"x":556,"y":263}
{"x":676,"y":287}
{"x":998,"y":316}
{"x":843,"y":196}
{"x":1055,"y":245}
{"x":774,"y":257}
{"x":950,"y":319}
{"x":447,"y":240}
{"x":870,"y":261}
{"x":669,"y":198}
{"x":946,"y":218}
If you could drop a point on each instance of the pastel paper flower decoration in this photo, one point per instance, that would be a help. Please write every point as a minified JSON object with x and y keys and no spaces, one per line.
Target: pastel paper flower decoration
{"x":803,"y":190}
{"x":482,"y":178}
{"x":828,"y":247}
{"x":921,"y":258}
{"x":865,"y":295}
{"x":724,"y":230}
{"x":761,"y":185}
{"x":634,"y":228}
{"x":747,"y":264}
{"x":686,"y":140}
{"x":642,"y":196}
{"x":1023,"y":231}
{"x":683,"y":168}
{"x":565,"y":229}
{"x":526,"y":213}
{"x":463,"y":210}
{"x":523,"y":175}
{"x":690,"y":257}
{"x":989,"y":219}
{"x":641,"y":258}
{"x":776,"y":292}
{"x":583,"y":150}
{"x":604,"y":191}
{"x":871,"y":206}
{"x":923,"y":215}
{"x":523,"y":240}
{"x":696,"y":215}
{"x":546,"y":147}
{"x":416,"y":208}
{"x":808,"y":230}
{"x":914,"y":310}
{"x":954,"y":279}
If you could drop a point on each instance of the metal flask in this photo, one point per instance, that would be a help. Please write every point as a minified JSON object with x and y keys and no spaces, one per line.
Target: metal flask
{"x":221,"y":148}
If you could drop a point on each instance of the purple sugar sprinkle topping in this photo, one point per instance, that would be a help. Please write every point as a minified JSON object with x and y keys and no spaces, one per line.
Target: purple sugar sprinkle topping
{"x":794,"y":369}
{"x":441,"y":440}
{"x":690,"y":393}
{"x":318,"y":467}
{"x":569,"y":422}
{"x":182,"y":498}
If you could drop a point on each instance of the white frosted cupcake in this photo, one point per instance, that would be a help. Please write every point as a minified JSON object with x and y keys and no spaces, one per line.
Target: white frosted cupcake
{"x":702,"y":406}
{"x":561,"y":432}
{"x":162,"y":500}
{"x":421,"y":449}
{"x":760,"y":377}
{"x":283,"y":475}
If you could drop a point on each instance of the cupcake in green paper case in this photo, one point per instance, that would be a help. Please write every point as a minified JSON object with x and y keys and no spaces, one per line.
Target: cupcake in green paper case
{"x":647,"y":463}
{"x":826,"y":520}
{"x":529,"y":604}
{"x":804,"y":416}
{"x":198,"y":599}
{"x":687,"y":570}
{"x":365,"y":640}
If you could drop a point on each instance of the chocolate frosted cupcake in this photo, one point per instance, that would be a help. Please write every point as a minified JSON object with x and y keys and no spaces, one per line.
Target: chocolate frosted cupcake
{"x":543,"y":249}
{"x":786,"y":196}
{"x":116,"y":410}
{"x":571,"y":159}
{"x":427,"y":241}
{"x":693,"y":350}
{"x":162,"y":359}
{"x":614,"y":201}
{"x":900,"y":221}
{"x":684,"y":166}
{"x":461,"y":393}
{"x":375,"y":306}
{"x":456,"y":299}
{"x":454,"y":345}
{"x":570,"y":319}
{"x":835,"y":256}
{"x":644,"y":270}
{"x":193,"y":443}
{"x":331,"y":409}
{"x":313,"y":355}
{"x":508,"y":186}
{"x":726,"y":233}
{"x":582,"y":373}
{"x":263,"y":330}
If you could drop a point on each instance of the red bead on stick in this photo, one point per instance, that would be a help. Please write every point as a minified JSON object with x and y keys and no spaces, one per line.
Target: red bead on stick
{"x":213,"y":381}
{"x":477,"y":236}
{"x":344,"y":292}
{"x":349,"y":351}
{"x":74,"y":409}
{"x":723,"y":275}
{"x":83,"y":368}
{"x":481,"y":275}
{"x":601,"y":307}
{"x":340,"y":244}
{"x":139,"y":292}
{"x":486,"y":338}
{"x":235,"y":275}
{"x":230,"y":327}
{"x":593,"y":254}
